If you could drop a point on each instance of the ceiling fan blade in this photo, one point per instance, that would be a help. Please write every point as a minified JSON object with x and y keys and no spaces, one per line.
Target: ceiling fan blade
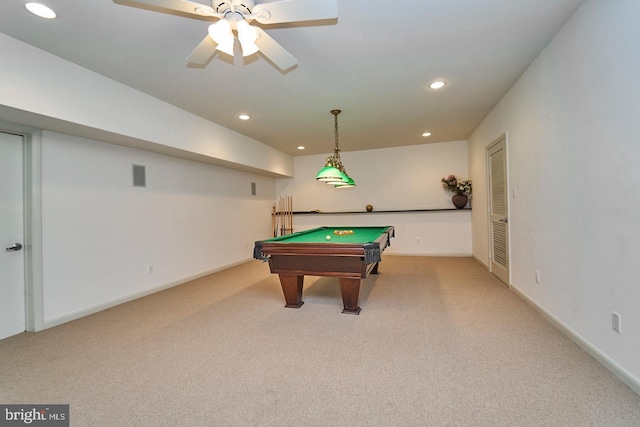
{"x":295,"y":10}
{"x":203,"y":52}
{"x":273,"y":51}
{"x":183,"y":6}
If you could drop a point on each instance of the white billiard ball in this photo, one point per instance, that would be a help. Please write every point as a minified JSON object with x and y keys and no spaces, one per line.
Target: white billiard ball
{"x":328,"y":237}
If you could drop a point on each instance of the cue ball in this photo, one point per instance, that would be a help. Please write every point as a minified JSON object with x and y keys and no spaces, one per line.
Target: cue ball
{"x":328,"y":237}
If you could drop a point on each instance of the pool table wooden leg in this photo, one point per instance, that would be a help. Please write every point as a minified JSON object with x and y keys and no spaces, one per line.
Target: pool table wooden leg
{"x":350,"y":289}
{"x":374,"y":270}
{"x":292,"y":289}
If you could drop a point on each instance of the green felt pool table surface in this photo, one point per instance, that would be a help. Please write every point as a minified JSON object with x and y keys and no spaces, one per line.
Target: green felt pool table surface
{"x":319,"y":235}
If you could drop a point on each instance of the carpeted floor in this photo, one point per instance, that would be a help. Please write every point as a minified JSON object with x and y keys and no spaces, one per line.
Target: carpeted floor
{"x":439,"y":342}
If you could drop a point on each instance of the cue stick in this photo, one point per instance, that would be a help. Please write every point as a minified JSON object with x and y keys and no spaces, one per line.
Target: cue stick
{"x":281,"y":218}
{"x":273,"y":221}
{"x":290,"y":214}
{"x":289,"y":225}
{"x":290,"y":219}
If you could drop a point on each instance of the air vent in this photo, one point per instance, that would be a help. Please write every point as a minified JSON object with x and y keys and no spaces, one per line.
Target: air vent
{"x":139,"y":176}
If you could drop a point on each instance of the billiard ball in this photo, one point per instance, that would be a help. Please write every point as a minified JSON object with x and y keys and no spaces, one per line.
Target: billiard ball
{"x":328,"y":237}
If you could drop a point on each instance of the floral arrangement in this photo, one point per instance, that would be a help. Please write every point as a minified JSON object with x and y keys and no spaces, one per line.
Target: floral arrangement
{"x":455,"y":185}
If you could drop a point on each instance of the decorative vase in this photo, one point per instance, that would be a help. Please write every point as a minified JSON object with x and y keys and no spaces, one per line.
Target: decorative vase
{"x":460,"y":200}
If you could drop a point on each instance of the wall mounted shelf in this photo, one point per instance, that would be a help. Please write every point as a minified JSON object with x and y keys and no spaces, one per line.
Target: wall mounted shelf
{"x":377,"y":211}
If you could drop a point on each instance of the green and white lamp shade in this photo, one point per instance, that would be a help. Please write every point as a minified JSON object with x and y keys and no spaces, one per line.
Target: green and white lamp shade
{"x":334,"y":176}
{"x":330,"y":174}
{"x":348,"y":184}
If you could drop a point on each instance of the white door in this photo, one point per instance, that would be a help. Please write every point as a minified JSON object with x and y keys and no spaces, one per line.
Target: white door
{"x":12,"y":279}
{"x":498,"y":209}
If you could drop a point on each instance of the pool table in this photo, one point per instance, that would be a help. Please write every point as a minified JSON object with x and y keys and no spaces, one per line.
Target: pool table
{"x":348,"y":253}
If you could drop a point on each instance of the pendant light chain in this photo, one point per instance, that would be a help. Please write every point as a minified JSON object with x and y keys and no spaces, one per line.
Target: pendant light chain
{"x":335,"y":124}
{"x":333,"y":172}
{"x":337,"y":163}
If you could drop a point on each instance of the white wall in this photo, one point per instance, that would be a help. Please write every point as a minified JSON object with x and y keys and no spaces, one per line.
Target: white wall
{"x":100,"y":233}
{"x":389,"y":179}
{"x":573,"y":154}
{"x":40,"y":90}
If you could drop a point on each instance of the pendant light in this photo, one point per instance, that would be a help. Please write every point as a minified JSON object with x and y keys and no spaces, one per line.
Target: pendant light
{"x":333,"y":172}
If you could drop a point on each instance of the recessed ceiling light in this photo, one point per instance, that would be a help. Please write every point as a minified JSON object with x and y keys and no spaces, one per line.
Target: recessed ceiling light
{"x":300,"y":147}
{"x":40,"y":10}
{"x":244,"y":117}
{"x":439,"y":84}
{"x":426,"y":134}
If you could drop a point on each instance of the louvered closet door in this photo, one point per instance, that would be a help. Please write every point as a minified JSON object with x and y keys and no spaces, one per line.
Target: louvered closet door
{"x":499,"y":225}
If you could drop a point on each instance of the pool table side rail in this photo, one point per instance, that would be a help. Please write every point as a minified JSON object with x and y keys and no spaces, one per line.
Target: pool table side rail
{"x":326,"y":229}
{"x":371,"y":252}
{"x":332,"y":266}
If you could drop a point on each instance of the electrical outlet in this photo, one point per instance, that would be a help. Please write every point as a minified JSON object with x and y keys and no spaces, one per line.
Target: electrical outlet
{"x":615,"y":322}
{"x":537,"y":277}
{"x":149,"y":268}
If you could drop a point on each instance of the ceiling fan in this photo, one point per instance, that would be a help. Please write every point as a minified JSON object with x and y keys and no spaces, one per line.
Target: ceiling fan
{"x":237,"y":15}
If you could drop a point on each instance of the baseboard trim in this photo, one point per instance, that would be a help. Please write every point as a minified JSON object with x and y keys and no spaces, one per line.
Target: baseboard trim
{"x":110,"y":304}
{"x":458,"y":255}
{"x":619,"y":372}
{"x":484,"y":264}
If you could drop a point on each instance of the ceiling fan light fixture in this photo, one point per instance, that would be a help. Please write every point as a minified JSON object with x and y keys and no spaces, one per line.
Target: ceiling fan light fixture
{"x":247,"y":35}
{"x":230,"y":14}
{"x":221,"y":33}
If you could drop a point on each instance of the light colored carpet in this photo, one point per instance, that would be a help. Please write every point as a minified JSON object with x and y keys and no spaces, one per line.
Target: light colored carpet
{"x":439,"y":342}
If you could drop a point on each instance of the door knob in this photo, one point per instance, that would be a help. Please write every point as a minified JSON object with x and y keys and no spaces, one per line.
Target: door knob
{"x":14,"y":247}
{"x":505,"y":220}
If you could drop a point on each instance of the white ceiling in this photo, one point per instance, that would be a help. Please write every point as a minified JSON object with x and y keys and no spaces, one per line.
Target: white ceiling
{"x":374,"y":63}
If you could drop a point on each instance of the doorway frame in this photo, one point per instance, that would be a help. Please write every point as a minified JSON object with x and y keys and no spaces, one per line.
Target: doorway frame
{"x":32,"y":204}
